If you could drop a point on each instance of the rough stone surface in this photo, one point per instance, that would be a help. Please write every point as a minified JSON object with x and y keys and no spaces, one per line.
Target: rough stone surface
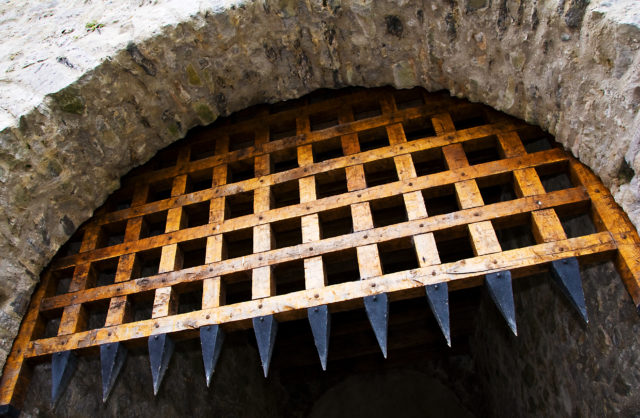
{"x":239,"y":388}
{"x":557,"y":366}
{"x":92,"y":89}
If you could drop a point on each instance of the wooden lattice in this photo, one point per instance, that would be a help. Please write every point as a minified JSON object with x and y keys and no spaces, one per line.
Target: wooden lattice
{"x":246,"y":216}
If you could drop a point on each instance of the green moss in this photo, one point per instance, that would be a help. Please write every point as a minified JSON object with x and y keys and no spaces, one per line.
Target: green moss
{"x":173,"y":130}
{"x":69,"y":101}
{"x":192,"y":76}
{"x":93,"y":26}
{"x":204,"y":112}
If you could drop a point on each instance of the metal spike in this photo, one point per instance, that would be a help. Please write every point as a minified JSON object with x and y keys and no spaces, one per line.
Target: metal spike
{"x":63,"y":364}
{"x":160,"y":351}
{"x":112,"y":357}
{"x":211,"y":338}
{"x":265,"y":328}
{"x":500,"y":288}
{"x":9,"y":411}
{"x":320,"y":321}
{"x":567,"y":275}
{"x":377,"y":307}
{"x":438,"y":297}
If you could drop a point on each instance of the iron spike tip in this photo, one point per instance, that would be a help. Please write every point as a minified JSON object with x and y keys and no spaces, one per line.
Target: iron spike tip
{"x":112,"y":358}
{"x":566,"y":273}
{"x":377,"y":307}
{"x":265,"y":329}
{"x":161,"y":348}
{"x":211,"y":339}
{"x":63,"y":364}
{"x":320,"y":322}
{"x":438,"y":298}
{"x":500,"y":289}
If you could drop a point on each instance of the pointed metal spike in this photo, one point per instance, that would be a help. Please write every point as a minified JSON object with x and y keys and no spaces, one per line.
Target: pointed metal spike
{"x":160,"y":351}
{"x":567,"y":275}
{"x":438,"y":297}
{"x":265,"y":328}
{"x":500,"y":288}
{"x":320,"y":321}
{"x":112,"y":357}
{"x":63,"y":364}
{"x":211,"y":338}
{"x":377,"y":307}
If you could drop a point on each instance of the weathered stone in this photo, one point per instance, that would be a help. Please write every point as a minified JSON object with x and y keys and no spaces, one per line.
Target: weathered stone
{"x":82,"y":107}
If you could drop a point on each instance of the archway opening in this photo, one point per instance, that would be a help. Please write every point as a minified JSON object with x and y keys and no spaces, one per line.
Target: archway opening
{"x":278,"y":206}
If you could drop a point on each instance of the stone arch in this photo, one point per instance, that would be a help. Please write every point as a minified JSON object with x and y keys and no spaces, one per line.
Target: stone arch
{"x":89,"y":107}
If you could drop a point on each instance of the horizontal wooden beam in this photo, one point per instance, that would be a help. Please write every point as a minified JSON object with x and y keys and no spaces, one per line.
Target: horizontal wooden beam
{"x":456,"y":274}
{"x":500,"y":210}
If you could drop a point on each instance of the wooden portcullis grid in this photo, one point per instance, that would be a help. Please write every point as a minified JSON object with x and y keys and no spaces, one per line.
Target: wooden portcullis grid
{"x":249,"y":220}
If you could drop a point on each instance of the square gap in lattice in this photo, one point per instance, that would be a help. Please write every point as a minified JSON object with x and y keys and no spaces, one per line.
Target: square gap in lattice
{"x":516,"y":233}
{"x":241,"y":140}
{"x":153,"y":224}
{"x":535,"y":140}
{"x":159,"y":190}
{"x":440,"y":200}
{"x":96,"y":313}
{"x":141,"y":305}
{"x":327,"y":149}
{"x":200,"y":180}
{"x":193,"y":252}
{"x":555,"y":177}
{"x":341,"y":266}
{"x":323,"y":120}
{"x":236,"y":287}
{"x":388,"y":211}
{"x":120,"y":200}
{"x":73,"y":245}
{"x":454,"y":244}
{"x":418,"y":128}
{"x":240,"y":170}
{"x":283,"y":160}
{"x":366,"y":108}
{"x":149,"y":262}
{"x":60,"y":281}
{"x":282,"y":128}
{"x":373,"y":139}
{"x":397,"y":255}
{"x":380,"y":172}
{"x":287,"y":232}
{"x":429,"y":161}
{"x":408,"y":98}
{"x":104,"y":271}
{"x":167,"y":158}
{"x":49,"y":324}
{"x":237,"y":243}
{"x":203,"y":149}
{"x":576,"y":222}
{"x":335,"y":222}
{"x":237,"y":205}
{"x":196,"y":214}
{"x":285,"y":194}
{"x":468,"y":117}
{"x":111,"y":234}
{"x":331,"y":183}
{"x":496,"y":189}
{"x":189,"y":297}
{"x":288,"y":277}
{"x":482,"y":150}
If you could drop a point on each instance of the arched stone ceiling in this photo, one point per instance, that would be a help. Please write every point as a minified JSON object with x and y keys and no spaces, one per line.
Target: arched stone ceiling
{"x":92,"y":89}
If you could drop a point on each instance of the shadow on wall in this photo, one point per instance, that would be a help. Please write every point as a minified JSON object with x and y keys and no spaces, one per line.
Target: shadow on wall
{"x":393,"y":393}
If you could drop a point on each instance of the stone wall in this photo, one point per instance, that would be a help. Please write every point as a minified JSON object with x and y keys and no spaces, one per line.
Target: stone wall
{"x":92,"y":89}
